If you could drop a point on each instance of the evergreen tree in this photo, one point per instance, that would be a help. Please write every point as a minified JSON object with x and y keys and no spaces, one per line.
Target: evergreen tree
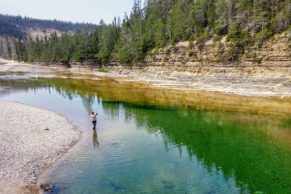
{"x":156,"y":24}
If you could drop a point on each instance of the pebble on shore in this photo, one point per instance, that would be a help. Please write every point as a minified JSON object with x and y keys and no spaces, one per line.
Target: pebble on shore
{"x":31,"y":139}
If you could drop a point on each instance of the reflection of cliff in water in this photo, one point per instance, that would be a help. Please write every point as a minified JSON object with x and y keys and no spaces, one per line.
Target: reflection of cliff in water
{"x":141,"y":94}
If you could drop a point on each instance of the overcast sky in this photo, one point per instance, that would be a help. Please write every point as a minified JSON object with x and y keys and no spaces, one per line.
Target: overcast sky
{"x":69,"y":10}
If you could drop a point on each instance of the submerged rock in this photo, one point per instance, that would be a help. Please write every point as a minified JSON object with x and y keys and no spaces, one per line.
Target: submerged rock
{"x":47,"y":187}
{"x":168,"y":184}
{"x":117,"y":187}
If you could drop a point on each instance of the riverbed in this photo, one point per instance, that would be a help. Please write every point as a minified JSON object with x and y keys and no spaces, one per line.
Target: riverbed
{"x":153,"y":140}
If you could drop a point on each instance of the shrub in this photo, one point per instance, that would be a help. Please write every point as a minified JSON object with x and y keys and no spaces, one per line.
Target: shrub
{"x":237,"y":40}
{"x":262,"y":36}
{"x":124,"y":56}
{"x":103,"y":56}
{"x":232,"y":53}
{"x":201,"y":39}
{"x":220,"y":28}
{"x":237,"y":35}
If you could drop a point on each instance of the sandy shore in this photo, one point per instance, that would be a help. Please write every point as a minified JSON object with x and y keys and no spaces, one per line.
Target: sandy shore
{"x":31,"y":139}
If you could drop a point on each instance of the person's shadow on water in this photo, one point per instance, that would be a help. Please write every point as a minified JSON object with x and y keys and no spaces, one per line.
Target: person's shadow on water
{"x":95,"y":139}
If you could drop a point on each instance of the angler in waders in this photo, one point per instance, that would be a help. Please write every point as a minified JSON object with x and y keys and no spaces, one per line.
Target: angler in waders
{"x":94,"y":119}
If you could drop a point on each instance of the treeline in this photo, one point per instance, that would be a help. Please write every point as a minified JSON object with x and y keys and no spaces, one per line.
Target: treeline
{"x":160,"y":23}
{"x":16,"y":26}
{"x":97,"y":45}
{"x":8,"y":29}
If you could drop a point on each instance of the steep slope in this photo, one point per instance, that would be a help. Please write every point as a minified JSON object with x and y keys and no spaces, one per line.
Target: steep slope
{"x":19,"y":27}
{"x":190,"y":57}
{"x":263,"y":70}
{"x":16,"y":29}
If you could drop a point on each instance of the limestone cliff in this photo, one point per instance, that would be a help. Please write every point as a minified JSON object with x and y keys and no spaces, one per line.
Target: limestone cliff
{"x":274,"y":54}
{"x":261,"y":70}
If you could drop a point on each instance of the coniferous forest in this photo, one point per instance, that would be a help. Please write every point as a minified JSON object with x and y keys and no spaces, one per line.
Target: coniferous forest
{"x":16,"y":26}
{"x":156,"y":24}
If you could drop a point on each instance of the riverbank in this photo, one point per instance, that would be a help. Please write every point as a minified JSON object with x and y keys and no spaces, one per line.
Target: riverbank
{"x":31,"y":140}
{"x":258,"y":80}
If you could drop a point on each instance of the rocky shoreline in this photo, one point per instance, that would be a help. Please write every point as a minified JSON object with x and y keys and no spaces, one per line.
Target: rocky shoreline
{"x":31,"y":140}
{"x":244,"y":80}
{"x":262,"y":71}
{"x":28,"y":144}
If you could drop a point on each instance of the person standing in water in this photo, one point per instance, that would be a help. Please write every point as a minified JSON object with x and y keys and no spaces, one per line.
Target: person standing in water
{"x":94,"y":119}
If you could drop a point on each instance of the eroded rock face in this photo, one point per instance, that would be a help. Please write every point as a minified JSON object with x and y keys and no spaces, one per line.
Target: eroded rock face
{"x":274,"y":53}
{"x":276,"y":49}
{"x":273,"y":56}
{"x":262,"y":71}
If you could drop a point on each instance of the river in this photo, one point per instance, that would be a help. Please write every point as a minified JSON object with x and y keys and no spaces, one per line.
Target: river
{"x":155,"y":141}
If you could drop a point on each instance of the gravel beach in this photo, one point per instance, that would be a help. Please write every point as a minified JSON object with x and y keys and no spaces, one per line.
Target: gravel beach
{"x":31,"y":140}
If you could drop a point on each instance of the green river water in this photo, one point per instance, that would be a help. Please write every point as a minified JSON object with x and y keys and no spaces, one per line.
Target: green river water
{"x":148,"y":141}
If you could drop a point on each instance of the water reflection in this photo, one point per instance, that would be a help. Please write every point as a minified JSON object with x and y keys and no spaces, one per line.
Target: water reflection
{"x":240,"y":145}
{"x":87,"y":102}
{"x":141,"y":94}
{"x":154,"y":149}
{"x":95,"y":139}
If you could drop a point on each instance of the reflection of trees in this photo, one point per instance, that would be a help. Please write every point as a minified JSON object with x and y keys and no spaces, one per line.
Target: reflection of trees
{"x":70,"y":92}
{"x":238,"y":149}
{"x":88,"y":102}
{"x":111,"y":108}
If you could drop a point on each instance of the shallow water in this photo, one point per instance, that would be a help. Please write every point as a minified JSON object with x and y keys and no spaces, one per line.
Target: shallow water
{"x":148,"y":141}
